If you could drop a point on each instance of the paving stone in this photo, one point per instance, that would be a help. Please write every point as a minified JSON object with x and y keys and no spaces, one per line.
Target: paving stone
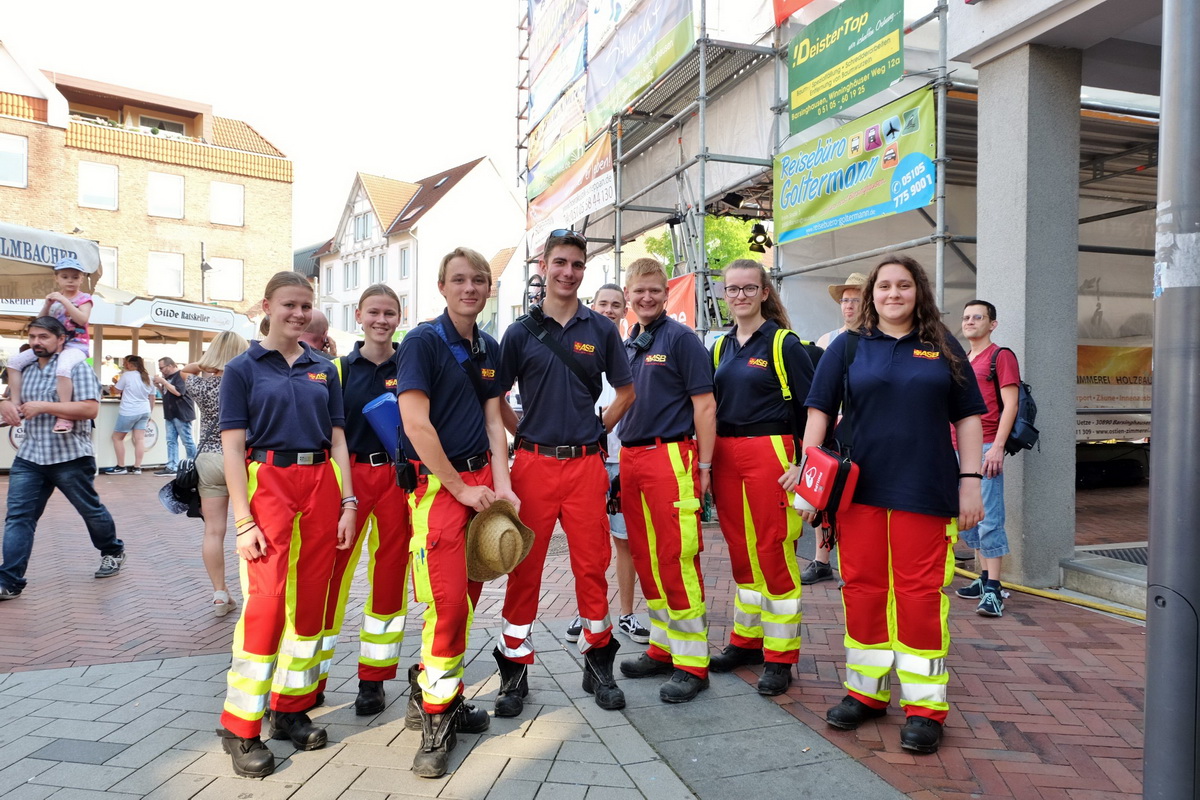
{"x":73,"y":694}
{"x":181,"y":787}
{"x":303,"y":764}
{"x":627,"y":745}
{"x":75,"y":729}
{"x":21,"y":746}
{"x":516,"y":746}
{"x":586,"y":752}
{"x":720,"y":755}
{"x":145,"y":725}
{"x":371,"y":755}
{"x":191,"y":702}
{"x":148,"y":749}
{"x":216,"y":765}
{"x":78,"y":751}
{"x":474,"y":779}
{"x":708,"y":715}
{"x":68,"y":710}
{"x":200,"y":688}
{"x":589,"y":774}
{"x":562,"y":731}
{"x":31,"y":791}
{"x":244,"y":789}
{"x":126,"y":669}
{"x":595,"y":716}
{"x":14,"y":710}
{"x":20,"y":772}
{"x":613,"y":793}
{"x":201,"y":741}
{"x":811,"y":782}
{"x":561,"y":791}
{"x":89,"y":794}
{"x":331,"y":780}
{"x":155,"y":772}
{"x":82,"y":776}
{"x":380,"y":735}
{"x":657,"y":782}
{"x":505,"y":789}
{"x":568,"y":714}
{"x":132,"y":709}
{"x":196,"y":721}
{"x":524,"y":769}
{"x":396,"y":781}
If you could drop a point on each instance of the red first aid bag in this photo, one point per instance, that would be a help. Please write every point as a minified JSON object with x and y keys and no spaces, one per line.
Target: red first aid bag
{"x":828,"y":479}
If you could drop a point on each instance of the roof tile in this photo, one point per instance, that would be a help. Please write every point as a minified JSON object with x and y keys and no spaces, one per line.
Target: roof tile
{"x":432,"y":189}
{"x":388,"y":196}
{"x":19,"y":105}
{"x":238,"y":135}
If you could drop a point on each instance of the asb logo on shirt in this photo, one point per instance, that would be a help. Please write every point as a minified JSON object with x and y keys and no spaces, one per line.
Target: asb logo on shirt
{"x":391,"y":383}
{"x":930,"y":354}
{"x":584,"y":347}
{"x":318,"y":376}
{"x":761,"y":363}
{"x":656,"y":358}
{"x":487,"y":374}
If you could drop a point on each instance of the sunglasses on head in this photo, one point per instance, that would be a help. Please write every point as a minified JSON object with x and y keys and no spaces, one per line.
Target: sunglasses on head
{"x":569,"y":237}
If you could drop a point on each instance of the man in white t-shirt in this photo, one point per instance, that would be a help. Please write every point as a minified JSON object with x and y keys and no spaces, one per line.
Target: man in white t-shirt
{"x":609,"y":301}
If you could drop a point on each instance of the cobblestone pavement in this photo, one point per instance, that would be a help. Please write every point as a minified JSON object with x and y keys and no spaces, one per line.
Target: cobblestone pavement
{"x":111,"y":688}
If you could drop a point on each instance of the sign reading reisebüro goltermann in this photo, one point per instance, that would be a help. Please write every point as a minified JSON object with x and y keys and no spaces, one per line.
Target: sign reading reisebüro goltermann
{"x":182,"y":315}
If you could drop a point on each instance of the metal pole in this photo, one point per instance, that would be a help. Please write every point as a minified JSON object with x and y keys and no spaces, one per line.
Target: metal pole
{"x":1172,"y":748}
{"x":878,"y":251}
{"x":942,"y":87}
{"x":702,"y":141}
{"x":620,"y":126}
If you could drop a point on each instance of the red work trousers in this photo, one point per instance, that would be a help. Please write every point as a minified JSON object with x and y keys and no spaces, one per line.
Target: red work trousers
{"x":277,"y":642}
{"x":660,"y":500}
{"x":383,"y":523}
{"x":572,"y":490}
{"x":760,"y":528}
{"x":896,"y":565}
{"x":439,"y":567}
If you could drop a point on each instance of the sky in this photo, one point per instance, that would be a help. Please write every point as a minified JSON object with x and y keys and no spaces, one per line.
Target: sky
{"x":404,"y":88}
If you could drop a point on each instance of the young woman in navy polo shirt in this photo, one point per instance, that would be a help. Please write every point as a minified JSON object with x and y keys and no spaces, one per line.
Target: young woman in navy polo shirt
{"x":754,"y":474}
{"x":450,"y":411}
{"x":281,"y":424}
{"x":908,"y":379}
{"x":366,"y":373}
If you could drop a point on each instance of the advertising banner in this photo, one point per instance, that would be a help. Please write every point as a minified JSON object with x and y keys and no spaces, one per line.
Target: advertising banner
{"x":1112,"y":376}
{"x":603,"y":18}
{"x":785,"y":8}
{"x":681,"y":303}
{"x":844,"y":57}
{"x":565,"y":67}
{"x":643,"y":46}
{"x":584,"y":188}
{"x":557,"y":142}
{"x":880,"y":164}
{"x":552,"y":22}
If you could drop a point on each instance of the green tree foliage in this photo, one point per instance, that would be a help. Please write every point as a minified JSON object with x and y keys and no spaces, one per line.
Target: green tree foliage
{"x":726,"y":239}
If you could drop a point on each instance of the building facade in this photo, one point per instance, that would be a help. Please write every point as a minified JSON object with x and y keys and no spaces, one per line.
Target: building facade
{"x":183,"y":203}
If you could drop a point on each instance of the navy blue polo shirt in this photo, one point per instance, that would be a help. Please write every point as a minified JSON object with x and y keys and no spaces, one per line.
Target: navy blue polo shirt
{"x":364,"y":380}
{"x":427,"y":365}
{"x":747,"y":386}
{"x":665,"y":377}
{"x":559,"y":409}
{"x":902,"y":394}
{"x":282,"y":407}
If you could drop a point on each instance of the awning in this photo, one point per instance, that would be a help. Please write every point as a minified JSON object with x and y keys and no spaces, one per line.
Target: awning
{"x":28,"y":256}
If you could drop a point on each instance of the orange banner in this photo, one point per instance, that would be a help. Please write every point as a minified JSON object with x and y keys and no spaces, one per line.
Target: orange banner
{"x":681,"y":303}
{"x":1109,"y":376}
{"x":785,"y":8}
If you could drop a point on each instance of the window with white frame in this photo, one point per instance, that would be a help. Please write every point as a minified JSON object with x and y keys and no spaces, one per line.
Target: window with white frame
{"x":227,"y":203}
{"x":362,"y":227}
{"x":14,"y":160}
{"x":346,"y":275}
{"x":165,"y":274}
{"x":403,"y":262}
{"x":382,"y":266}
{"x":328,"y":312}
{"x":327,"y":284}
{"x":224,"y":280}
{"x":353,"y":275}
{"x":348,"y":322}
{"x":403,"y":311}
{"x":98,"y":185}
{"x":164,"y":195}
{"x":371,"y":269}
{"x":108,"y":266}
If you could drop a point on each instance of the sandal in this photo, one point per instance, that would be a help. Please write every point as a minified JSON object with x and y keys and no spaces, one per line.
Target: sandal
{"x":222,"y":603}
{"x":63,"y":426}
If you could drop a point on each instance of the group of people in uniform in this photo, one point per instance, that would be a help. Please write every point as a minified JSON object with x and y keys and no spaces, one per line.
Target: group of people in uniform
{"x":302,"y":463}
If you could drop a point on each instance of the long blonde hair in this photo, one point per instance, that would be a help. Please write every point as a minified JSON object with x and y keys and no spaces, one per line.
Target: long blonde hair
{"x":772,"y":309}
{"x":223,"y":349}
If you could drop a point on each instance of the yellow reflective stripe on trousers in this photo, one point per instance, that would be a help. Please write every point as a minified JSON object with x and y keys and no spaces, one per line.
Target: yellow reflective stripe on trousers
{"x":688,"y":629}
{"x":300,"y":657}
{"x":381,"y":635}
{"x":441,"y":677}
{"x":922,"y":673}
{"x":868,"y":669}
{"x":659,"y":620}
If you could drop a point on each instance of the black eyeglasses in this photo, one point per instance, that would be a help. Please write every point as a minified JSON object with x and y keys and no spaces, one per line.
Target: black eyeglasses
{"x":569,"y":237}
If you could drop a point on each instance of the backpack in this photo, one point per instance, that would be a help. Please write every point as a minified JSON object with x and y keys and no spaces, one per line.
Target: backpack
{"x":1024,"y":435}
{"x":814,"y":354}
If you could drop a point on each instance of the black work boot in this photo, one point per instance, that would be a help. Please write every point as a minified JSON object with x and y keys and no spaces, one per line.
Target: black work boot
{"x":514,"y":686}
{"x":776,"y":678}
{"x":296,"y":725}
{"x":644,"y":666}
{"x":733,"y":657}
{"x":598,"y":676}
{"x":470,"y":718}
{"x":437,"y":740}
{"x":851,"y":712}
{"x":370,"y":698}
{"x":921,"y":735}
{"x":251,"y":758}
{"x":682,"y":687}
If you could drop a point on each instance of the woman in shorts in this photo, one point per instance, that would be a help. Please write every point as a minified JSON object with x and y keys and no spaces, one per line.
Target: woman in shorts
{"x":137,"y":403}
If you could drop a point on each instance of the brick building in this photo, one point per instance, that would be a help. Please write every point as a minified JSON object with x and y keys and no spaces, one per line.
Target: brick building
{"x":161,"y":184}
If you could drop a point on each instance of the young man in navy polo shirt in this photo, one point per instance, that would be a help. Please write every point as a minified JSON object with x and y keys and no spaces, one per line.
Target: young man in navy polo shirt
{"x":666,"y":453}
{"x":559,"y":468}
{"x":450,"y":413}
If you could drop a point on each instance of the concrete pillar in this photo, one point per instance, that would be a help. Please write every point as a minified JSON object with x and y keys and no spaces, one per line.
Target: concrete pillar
{"x":1028,"y":211}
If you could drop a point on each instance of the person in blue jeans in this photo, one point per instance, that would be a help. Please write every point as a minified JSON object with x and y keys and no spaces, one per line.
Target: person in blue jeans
{"x":46,"y":460}
{"x":178,"y":413}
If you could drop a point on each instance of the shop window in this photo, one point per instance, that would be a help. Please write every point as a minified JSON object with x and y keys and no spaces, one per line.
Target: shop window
{"x":98,"y":185}
{"x":165,"y":275}
{"x":14,"y":160}
{"x":227,"y":203}
{"x":224,"y":280}
{"x":164,"y":195}
{"x":108,"y":266}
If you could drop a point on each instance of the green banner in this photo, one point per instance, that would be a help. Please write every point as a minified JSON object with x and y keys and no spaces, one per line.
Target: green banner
{"x":844,"y":57}
{"x":880,"y":164}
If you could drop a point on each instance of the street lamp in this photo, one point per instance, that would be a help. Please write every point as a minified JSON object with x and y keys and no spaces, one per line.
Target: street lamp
{"x":204,"y":267}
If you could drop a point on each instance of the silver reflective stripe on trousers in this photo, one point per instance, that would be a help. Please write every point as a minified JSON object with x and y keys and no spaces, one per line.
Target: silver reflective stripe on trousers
{"x":253,"y":670}
{"x":379,"y":652}
{"x":250,"y":703}
{"x":521,"y":632}
{"x":381,"y":627}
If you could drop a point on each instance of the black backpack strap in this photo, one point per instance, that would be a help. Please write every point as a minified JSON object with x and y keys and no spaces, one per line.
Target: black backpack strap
{"x":540,"y":333}
{"x":845,"y":431}
{"x":995,"y":379}
{"x":467,"y":364}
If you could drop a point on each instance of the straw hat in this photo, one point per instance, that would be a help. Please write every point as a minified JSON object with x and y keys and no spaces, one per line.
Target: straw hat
{"x":497,"y":541}
{"x":856,"y":281}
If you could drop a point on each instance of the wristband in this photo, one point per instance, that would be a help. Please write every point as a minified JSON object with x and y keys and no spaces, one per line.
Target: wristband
{"x":349,"y":507}
{"x":349,"y":499}
{"x":970,"y":475}
{"x":705,"y":465}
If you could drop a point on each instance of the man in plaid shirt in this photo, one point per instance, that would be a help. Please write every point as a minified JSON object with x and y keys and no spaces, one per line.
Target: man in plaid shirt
{"x":47,"y":460}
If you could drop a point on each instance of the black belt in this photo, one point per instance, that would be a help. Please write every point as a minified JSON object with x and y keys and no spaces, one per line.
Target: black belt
{"x":657,"y":440}
{"x":470,"y":464}
{"x":374,"y":459}
{"x":757,"y":429}
{"x":289,"y":458}
{"x":560,"y":451}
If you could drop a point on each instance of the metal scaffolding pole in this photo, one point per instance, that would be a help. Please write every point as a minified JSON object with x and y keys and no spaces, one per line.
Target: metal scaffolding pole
{"x":619,"y":129}
{"x":1172,"y":748}
{"x":701,"y":265}
{"x":941,"y":87}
